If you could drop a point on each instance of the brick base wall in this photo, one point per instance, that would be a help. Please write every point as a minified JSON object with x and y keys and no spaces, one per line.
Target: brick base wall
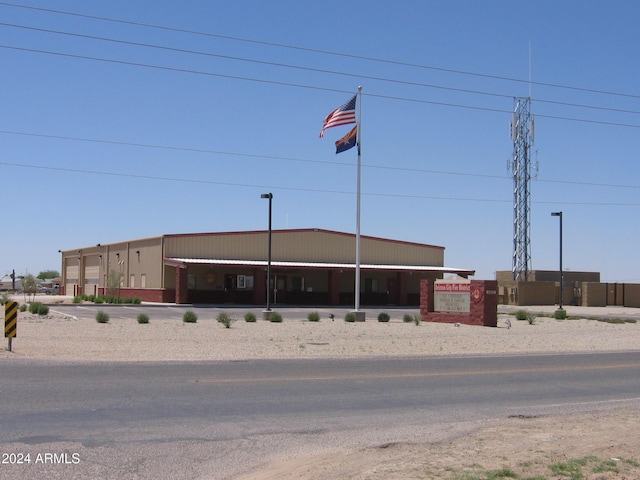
{"x":483,"y":305}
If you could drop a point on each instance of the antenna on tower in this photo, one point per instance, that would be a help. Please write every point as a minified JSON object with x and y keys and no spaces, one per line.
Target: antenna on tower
{"x":529,"y":68}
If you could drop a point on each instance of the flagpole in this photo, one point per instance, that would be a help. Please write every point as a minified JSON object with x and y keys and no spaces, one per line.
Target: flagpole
{"x":358,"y":140}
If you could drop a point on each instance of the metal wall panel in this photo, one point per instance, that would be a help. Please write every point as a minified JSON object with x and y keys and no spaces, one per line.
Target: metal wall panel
{"x":302,"y":246}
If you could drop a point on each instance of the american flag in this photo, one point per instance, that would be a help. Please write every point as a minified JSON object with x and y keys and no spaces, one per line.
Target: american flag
{"x":343,"y":115}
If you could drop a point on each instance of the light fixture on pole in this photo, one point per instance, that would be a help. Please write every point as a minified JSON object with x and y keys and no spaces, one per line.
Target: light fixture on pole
{"x":270,"y":197}
{"x":559,"y":215}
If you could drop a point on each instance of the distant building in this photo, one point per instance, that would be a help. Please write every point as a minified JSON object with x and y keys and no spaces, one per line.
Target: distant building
{"x":308,"y":267}
{"x":578,"y":288}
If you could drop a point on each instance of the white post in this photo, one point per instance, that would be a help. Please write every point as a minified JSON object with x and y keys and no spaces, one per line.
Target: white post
{"x":358,"y":142}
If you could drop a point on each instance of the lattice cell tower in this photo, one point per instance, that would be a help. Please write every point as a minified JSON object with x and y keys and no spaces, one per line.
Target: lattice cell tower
{"x":522,"y":134}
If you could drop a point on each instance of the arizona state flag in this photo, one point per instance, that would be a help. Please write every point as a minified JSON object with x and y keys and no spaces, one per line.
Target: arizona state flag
{"x":348,"y":141}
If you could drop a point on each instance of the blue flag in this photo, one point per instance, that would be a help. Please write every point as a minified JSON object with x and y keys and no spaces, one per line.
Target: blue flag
{"x":348,"y":141}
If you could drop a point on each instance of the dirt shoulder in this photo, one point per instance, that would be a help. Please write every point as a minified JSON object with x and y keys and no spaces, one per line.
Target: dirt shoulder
{"x":598,"y":446}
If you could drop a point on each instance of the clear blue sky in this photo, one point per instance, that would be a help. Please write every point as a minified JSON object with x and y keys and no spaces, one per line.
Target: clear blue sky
{"x":105,"y":141}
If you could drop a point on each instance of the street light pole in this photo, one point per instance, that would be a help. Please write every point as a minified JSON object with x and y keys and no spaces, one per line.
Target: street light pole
{"x":270,"y":197}
{"x":559,"y":215}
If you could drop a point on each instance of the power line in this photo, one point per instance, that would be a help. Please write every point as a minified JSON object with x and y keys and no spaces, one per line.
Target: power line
{"x":299,"y":189}
{"x":302,"y":160}
{"x":310,"y":69}
{"x":323,"y":52}
{"x":297,"y":85}
{"x":246,"y":185}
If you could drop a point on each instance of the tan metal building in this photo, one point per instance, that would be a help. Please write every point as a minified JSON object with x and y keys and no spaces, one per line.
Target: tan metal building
{"x":308,"y":267}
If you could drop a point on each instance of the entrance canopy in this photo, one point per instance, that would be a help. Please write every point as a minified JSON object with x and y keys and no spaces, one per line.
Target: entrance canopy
{"x":183,"y":262}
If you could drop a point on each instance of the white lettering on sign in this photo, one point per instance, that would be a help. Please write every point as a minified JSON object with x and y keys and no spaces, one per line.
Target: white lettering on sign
{"x":452,"y":296}
{"x":452,"y":287}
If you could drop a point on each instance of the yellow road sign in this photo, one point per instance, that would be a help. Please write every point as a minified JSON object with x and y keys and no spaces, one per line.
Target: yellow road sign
{"x":10,"y":319}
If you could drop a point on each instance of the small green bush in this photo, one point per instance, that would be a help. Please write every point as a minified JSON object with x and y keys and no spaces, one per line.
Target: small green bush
{"x":225,"y":319}
{"x":143,"y":318}
{"x":102,"y":317}
{"x":77,"y":299}
{"x":250,"y":317}
{"x":189,"y":317}
{"x":521,"y":315}
{"x":350,"y":317}
{"x":383,"y":317}
{"x":4,"y":298}
{"x":275,"y":317}
{"x":560,"y":314}
{"x":23,"y":307}
{"x":99,"y":300}
{"x":407,"y":318}
{"x":313,"y":317}
{"x":38,"y":308}
{"x":417,"y":319}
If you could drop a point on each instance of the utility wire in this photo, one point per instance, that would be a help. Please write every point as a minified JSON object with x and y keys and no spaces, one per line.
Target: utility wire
{"x":319,"y":51}
{"x":291,"y":159}
{"x":309,"y":69}
{"x":297,"y":189}
{"x":245,"y":185}
{"x":297,"y":85}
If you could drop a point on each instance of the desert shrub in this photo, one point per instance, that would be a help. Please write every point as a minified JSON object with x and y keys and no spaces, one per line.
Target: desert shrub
{"x":417,"y":319}
{"x":23,"y":307}
{"x":521,"y":315}
{"x":189,"y":317}
{"x":4,"y":298}
{"x":617,"y":321}
{"x":406,"y":318}
{"x":350,"y":317}
{"x":560,"y":314}
{"x":225,"y":319}
{"x":313,"y":317}
{"x":99,"y":300}
{"x":129,"y":300}
{"x":531,"y":318}
{"x":77,"y":299}
{"x":38,"y":308}
{"x":143,"y":318}
{"x":102,"y":317}
{"x":383,"y":317}
{"x":250,"y":317}
{"x":275,"y":317}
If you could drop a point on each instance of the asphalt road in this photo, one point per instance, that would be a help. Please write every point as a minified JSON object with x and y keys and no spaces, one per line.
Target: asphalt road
{"x":175,"y":312}
{"x":186,"y":420}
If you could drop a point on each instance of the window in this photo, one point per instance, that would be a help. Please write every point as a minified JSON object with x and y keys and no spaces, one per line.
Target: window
{"x":297,"y":284}
{"x":371,"y":285}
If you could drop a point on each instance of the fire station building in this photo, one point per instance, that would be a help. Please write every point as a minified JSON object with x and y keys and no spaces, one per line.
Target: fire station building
{"x":307,"y":266}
